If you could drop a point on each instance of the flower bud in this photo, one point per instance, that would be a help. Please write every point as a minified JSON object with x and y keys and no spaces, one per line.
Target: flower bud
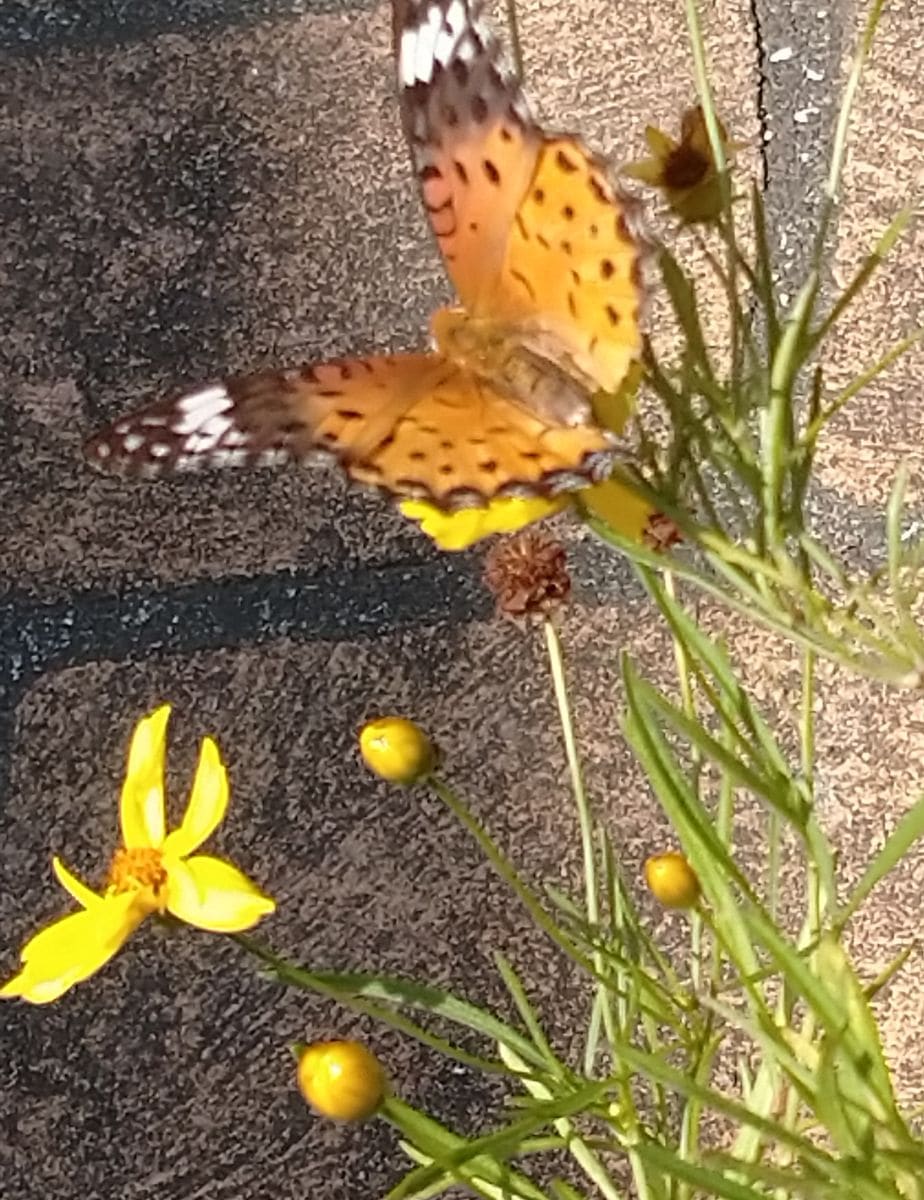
{"x":396,"y":749}
{"x":341,"y":1080}
{"x":672,"y":880}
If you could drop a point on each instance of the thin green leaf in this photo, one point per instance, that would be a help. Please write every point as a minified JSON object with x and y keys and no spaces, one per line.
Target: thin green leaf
{"x":908,"y":830}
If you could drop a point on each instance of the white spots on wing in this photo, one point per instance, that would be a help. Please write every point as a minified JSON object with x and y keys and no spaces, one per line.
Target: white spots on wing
{"x":407,"y":69}
{"x":102,"y":449}
{"x":438,"y":38}
{"x":447,"y":39}
{"x":132,"y":442}
{"x":199,"y":408}
{"x":466,"y":50}
{"x":159,"y":450}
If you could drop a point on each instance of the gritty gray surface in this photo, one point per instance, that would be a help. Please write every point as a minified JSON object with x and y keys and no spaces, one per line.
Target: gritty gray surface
{"x":195,"y":188}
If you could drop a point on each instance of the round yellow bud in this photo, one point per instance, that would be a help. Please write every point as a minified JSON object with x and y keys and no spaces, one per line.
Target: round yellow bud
{"x":396,"y":749}
{"x":672,"y":880}
{"x":341,"y":1080}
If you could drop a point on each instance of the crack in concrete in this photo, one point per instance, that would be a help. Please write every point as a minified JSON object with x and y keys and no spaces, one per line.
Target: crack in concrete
{"x":762,"y":83}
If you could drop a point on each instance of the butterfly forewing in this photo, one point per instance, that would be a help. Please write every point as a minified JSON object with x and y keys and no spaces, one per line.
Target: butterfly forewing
{"x":473,"y":142}
{"x":530,"y":228}
{"x":344,"y":409}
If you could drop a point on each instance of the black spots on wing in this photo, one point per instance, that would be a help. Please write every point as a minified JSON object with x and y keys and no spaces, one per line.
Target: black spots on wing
{"x":593,"y":344}
{"x":593,"y":230}
{"x":543,"y":242}
{"x":491,"y":172}
{"x":446,"y":469}
{"x":473,"y":226}
{"x":524,"y":283}
{"x":430,"y":172}
{"x":611,"y":314}
{"x":521,"y":227}
{"x":572,"y":304}
{"x":417,"y":456}
{"x":575,"y":278}
{"x":530,"y":455}
{"x":388,"y":440}
{"x":568,"y":212}
{"x":349,"y":414}
{"x":498,"y":431}
{"x":460,"y":170}
{"x":450,"y":115}
{"x":476,"y":441}
{"x":489,"y":466}
{"x":479,"y":109}
{"x":329,"y":436}
{"x":459,"y":70}
{"x":567,"y":248}
{"x":329,"y":393}
{"x":291,"y":427}
{"x":600,"y":193}
{"x":505,"y":134}
{"x":637,"y":273}
{"x":622,"y":230}
{"x":539,"y":195}
{"x":564,"y":163}
{"x":606,"y":269}
{"x":447,"y":444}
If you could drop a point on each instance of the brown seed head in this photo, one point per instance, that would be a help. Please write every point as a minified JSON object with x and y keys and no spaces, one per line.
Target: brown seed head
{"x":661,"y":533}
{"x":528,"y":574}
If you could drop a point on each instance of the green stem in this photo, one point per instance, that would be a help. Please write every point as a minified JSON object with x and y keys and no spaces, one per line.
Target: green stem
{"x":585,"y":821}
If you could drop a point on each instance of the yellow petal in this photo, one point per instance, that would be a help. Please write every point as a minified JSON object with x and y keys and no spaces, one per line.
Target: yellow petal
{"x":459,"y":530}
{"x":612,"y":410}
{"x":647,"y":170}
{"x":84,"y":896}
{"x":619,"y":507}
{"x":659,"y":143}
{"x":214,"y":895}
{"x":72,"y":949}
{"x":142,"y":806}
{"x":208,"y":803}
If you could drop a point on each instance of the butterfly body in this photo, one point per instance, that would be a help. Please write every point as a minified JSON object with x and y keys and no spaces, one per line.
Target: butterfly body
{"x":544,"y":257}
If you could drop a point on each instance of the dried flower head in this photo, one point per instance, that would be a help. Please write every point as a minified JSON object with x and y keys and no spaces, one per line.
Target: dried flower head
{"x":661,"y":533}
{"x":528,"y":574}
{"x":685,"y":169}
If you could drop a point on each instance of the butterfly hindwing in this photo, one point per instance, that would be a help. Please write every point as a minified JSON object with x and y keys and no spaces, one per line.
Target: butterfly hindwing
{"x":413,"y":424}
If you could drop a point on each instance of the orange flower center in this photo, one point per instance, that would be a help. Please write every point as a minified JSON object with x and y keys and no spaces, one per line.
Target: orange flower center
{"x":136,"y":870}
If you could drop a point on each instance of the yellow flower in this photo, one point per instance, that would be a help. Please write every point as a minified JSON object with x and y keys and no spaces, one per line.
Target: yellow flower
{"x":672,"y":880}
{"x":342,"y":1080}
{"x":153,"y":872}
{"x":685,"y":170}
{"x":459,"y":530}
{"x":396,"y":749}
{"x":616,"y":504}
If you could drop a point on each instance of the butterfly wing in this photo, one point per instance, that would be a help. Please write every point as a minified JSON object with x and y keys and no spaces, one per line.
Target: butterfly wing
{"x":473,"y":142}
{"x":531,"y":229}
{"x":412,"y":424}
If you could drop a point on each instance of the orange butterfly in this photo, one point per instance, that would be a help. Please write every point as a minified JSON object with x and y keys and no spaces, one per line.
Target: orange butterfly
{"x":545,"y":261}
